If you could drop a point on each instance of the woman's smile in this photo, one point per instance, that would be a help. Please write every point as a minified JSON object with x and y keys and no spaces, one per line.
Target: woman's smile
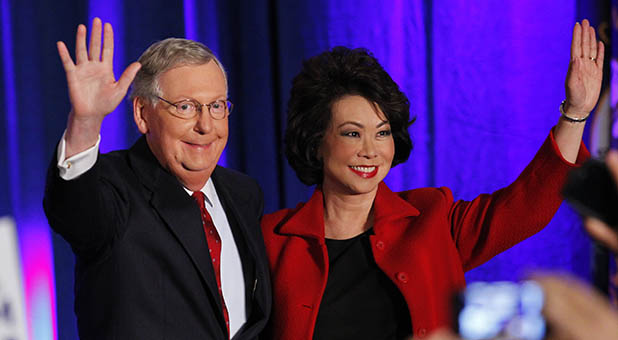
{"x":365,"y":171}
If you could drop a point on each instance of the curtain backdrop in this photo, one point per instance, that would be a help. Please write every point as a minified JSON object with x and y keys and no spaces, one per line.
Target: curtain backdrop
{"x":484,"y":79}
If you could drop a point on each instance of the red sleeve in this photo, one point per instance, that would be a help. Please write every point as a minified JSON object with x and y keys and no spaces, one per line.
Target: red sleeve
{"x":492,"y":223}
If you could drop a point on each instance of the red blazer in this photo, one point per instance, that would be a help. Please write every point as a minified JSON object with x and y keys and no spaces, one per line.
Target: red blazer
{"x":424,"y":241}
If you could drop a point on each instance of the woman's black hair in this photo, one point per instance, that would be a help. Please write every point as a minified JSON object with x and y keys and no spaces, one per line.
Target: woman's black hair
{"x":323,"y":80}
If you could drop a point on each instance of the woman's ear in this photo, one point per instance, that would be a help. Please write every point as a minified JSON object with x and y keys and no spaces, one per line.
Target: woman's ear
{"x":140,"y":113}
{"x":317,"y":151}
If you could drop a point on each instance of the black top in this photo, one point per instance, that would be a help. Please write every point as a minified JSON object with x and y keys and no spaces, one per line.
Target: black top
{"x":360,"y":301}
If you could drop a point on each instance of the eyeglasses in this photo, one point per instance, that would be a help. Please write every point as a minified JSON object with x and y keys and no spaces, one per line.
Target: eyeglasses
{"x":187,"y":109}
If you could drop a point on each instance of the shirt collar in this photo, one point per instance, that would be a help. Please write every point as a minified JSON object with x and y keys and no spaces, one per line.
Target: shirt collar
{"x":209,"y":191}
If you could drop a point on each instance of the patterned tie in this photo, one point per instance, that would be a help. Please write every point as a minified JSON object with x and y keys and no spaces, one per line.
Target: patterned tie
{"x":214,"y":247}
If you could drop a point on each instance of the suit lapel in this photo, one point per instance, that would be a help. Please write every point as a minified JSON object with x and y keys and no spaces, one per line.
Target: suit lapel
{"x":236,"y":205}
{"x":179,"y":212}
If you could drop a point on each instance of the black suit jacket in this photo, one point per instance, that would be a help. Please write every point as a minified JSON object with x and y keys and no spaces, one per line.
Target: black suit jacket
{"x":142,"y":264}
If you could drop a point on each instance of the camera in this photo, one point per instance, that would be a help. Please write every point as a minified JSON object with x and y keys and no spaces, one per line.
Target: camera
{"x":500,"y":310}
{"x":591,"y":191}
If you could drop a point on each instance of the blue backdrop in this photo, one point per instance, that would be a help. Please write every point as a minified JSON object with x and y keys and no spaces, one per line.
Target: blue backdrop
{"x":484,"y":79}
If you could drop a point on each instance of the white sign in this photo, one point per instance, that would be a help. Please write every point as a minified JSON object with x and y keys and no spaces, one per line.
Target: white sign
{"x":12,"y":313}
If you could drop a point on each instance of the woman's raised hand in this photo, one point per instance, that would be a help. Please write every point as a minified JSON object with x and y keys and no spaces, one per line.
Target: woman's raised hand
{"x":585,"y":74}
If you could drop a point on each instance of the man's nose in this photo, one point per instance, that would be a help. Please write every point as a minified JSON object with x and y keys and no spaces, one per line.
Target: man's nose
{"x":204,"y":122}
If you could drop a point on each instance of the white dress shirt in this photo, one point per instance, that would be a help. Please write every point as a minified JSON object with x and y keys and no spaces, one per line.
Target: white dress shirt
{"x":232,"y":276}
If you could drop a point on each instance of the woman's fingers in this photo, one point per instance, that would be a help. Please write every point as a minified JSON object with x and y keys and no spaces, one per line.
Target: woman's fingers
{"x":600,"y":55}
{"x":593,"y":43}
{"x":576,"y":48}
{"x":585,"y":48}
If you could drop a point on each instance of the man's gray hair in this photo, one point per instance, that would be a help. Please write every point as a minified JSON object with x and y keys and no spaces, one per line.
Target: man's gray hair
{"x":163,"y":56}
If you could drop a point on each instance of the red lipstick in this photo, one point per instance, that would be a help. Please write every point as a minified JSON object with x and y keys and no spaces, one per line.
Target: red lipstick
{"x":365,"y":174}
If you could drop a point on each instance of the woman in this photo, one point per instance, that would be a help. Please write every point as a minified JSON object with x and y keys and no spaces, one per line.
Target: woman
{"x":358,"y":261}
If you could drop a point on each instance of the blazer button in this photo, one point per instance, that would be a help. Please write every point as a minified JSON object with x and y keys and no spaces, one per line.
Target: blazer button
{"x":403,"y":277}
{"x":380,"y":245}
{"x":421,"y":332}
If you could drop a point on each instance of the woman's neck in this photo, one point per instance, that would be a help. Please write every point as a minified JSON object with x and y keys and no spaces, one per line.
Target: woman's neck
{"x":347,"y":215}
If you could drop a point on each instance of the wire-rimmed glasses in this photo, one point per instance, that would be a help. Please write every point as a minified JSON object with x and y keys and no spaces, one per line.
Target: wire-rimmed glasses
{"x":188,"y":108}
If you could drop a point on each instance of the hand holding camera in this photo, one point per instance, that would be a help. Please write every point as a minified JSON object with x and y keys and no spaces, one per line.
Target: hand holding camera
{"x":591,"y":190}
{"x":572,"y":309}
{"x":605,"y":230}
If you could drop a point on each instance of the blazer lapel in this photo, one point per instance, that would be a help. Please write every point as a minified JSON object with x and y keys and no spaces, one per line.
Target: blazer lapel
{"x":388,"y":206}
{"x":179,"y":212}
{"x":308,"y":220}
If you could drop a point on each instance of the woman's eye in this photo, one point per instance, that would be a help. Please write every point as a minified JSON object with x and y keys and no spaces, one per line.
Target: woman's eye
{"x":384,"y":133}
{"x":351,"y":134}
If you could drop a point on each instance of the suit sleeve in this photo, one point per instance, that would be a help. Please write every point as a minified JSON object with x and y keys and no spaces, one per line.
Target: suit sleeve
{"x":86,"y":210}
{"x":260,"y":202}
{"x":492,"y":223}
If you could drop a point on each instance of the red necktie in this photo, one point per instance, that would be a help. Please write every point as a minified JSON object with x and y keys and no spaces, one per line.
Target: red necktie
{"x":214,"y":247}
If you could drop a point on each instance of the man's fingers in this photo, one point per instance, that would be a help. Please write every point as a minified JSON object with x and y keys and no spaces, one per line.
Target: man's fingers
{"x":81,"y":54}
{"x":95,"y":40}
{"x":108,"y":44}
{"x":576,"y":311}
{"x":442,"y":334}
{"x":65,"y":57}
{"x":602,"y":232}
{"x":127,"y":76}
{"x":612,"y":163}
{"x":567,"y":297}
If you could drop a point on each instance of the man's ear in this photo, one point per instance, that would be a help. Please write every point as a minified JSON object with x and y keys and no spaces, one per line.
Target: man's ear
{"x":140,"y":114}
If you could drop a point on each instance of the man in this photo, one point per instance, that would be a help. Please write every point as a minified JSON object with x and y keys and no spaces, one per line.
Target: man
{"x":148,"y":252}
